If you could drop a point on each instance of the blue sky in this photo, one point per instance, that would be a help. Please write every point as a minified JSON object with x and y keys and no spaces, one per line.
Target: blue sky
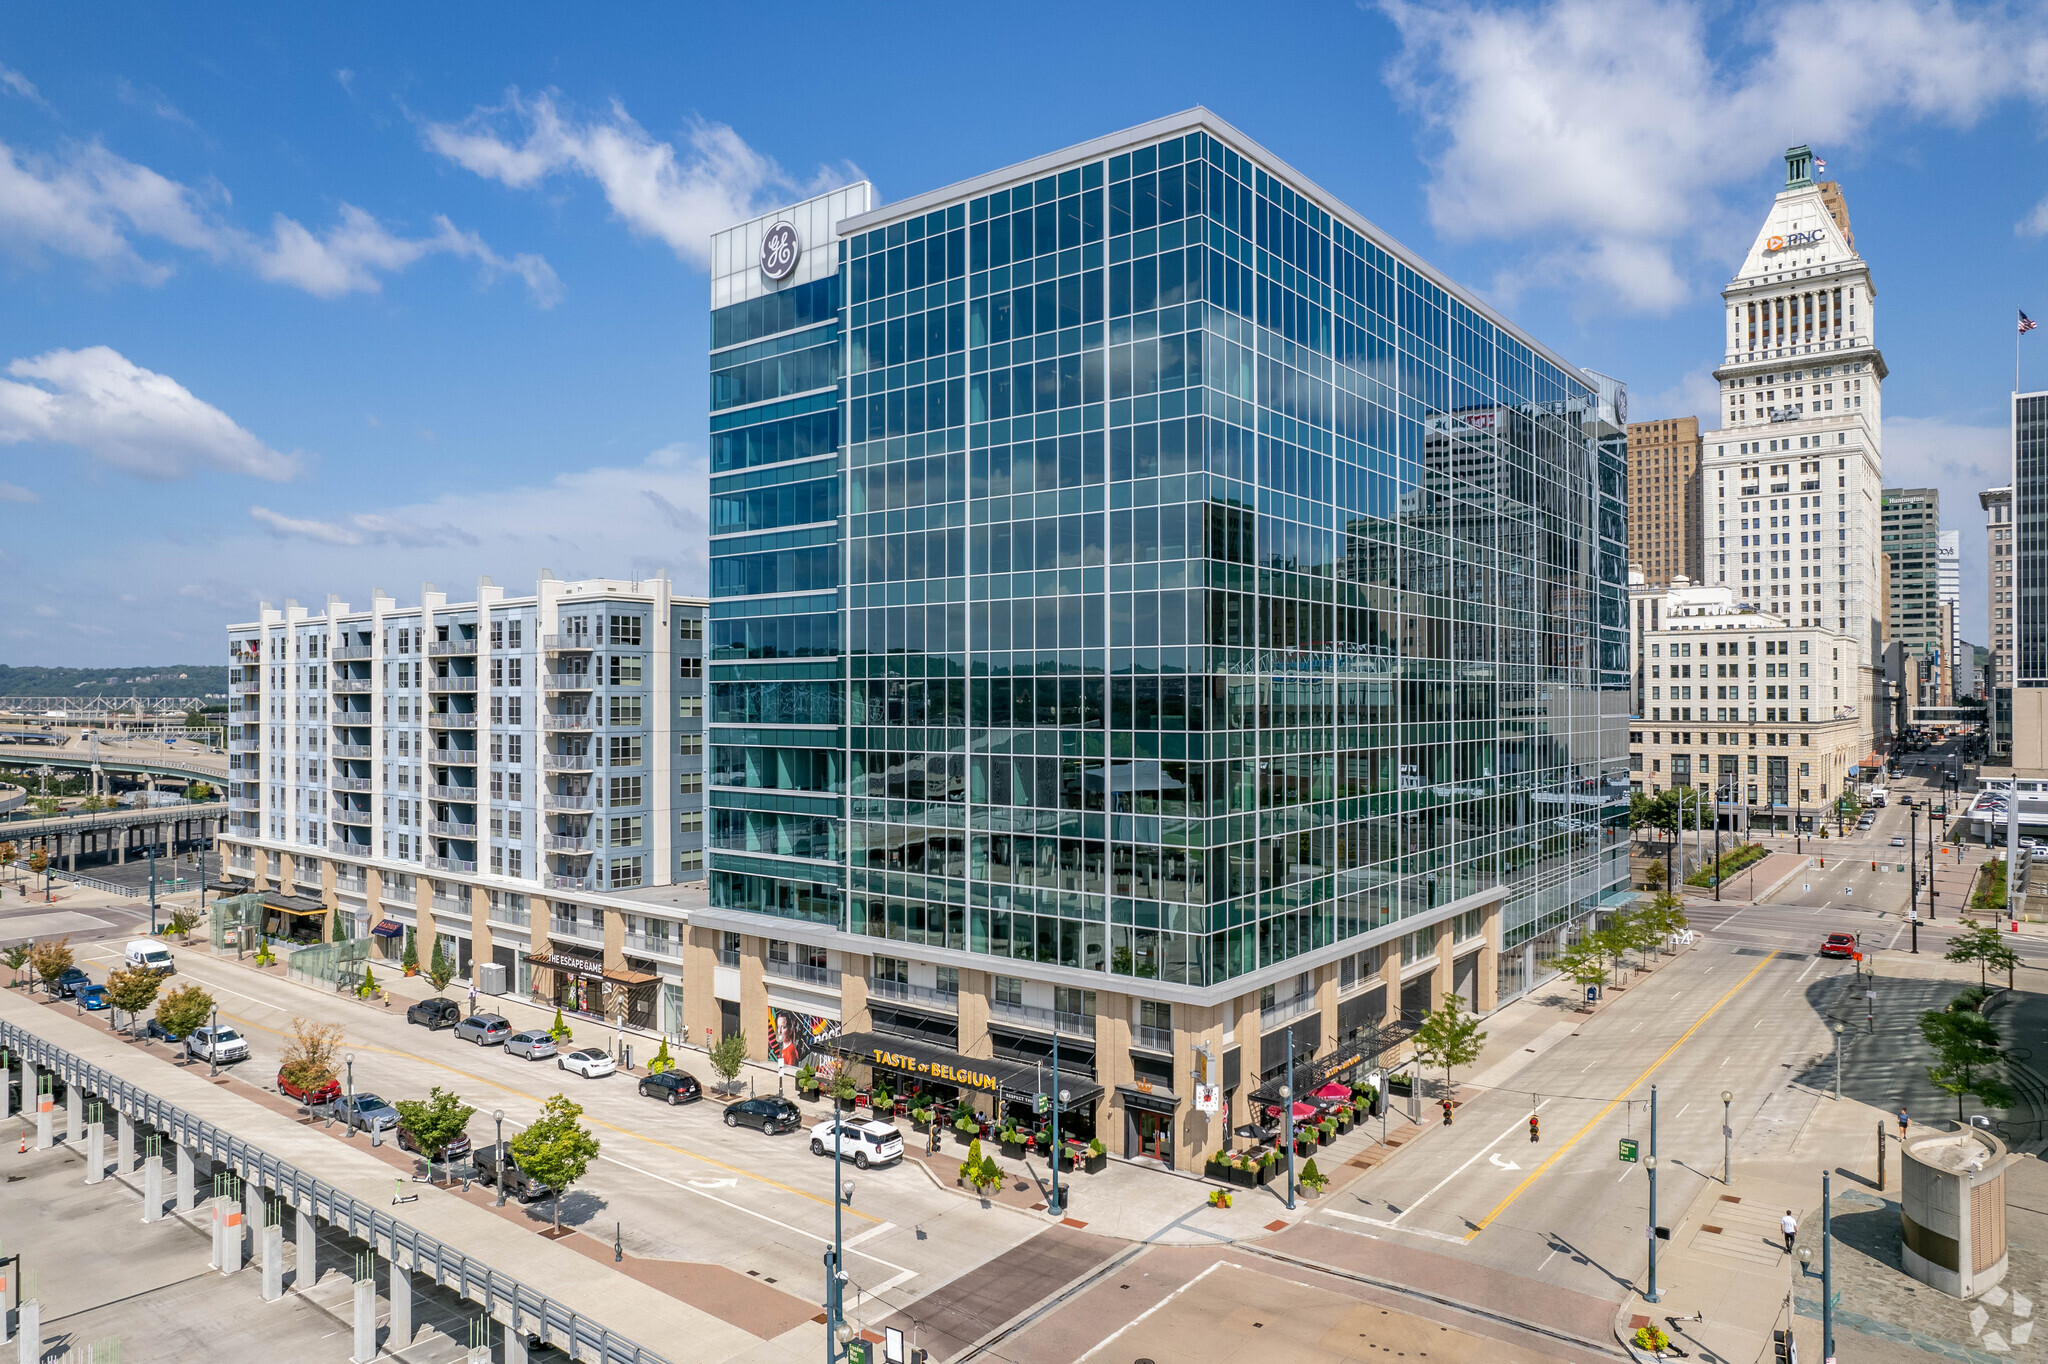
{"x":298,"y":304}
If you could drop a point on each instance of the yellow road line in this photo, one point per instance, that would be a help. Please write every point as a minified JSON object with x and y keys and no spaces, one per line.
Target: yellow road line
{"x":598,"y":1122}
{"x":1615,"y":1102}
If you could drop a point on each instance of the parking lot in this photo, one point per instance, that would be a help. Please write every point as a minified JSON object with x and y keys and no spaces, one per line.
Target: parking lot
{"x":673,"y":1182}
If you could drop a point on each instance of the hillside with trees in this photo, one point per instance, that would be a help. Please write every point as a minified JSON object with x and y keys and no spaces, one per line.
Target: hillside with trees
{"x":179,"y":680}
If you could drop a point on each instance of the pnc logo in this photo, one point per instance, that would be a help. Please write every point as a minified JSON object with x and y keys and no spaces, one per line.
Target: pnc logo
{"x":1813,"y":238}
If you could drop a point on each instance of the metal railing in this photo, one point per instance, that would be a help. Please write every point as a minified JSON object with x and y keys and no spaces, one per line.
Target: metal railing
{"x":1152,"y":1038}
{"x":361,"y":819}
{"x":581,"y":1336}
{"x":448,"y":828}
{"x":797,"y":970}
{"x":451,"y":719}
{"x":1286,"y":1011}
{"x":94,"y":883}
{"x":444,"y":648}
{"x":451,"y":683}
{"x":556,"y":800}
{"x":451,"y":864}
{"x":1080,"y":1025}
{"x":502,"y":913}
{"x":568,"y":721}
{"x":565,"y":682}
{"x":575,"y":928}
{"x":920,"y":994}
{"x":465,"y":794}
{"x":353,"y":719}
{"x":555,"y":644}
{"x":348,"y":652}
{"x":566,"y":762}
{"x":453,"y":757}
{"x":349,"y":783}
{"x":561,"y":844}
{"x":349,"y":684}
{"x":351,"y":751}
{"x":555,"y":881}
{"x":663,"y":946}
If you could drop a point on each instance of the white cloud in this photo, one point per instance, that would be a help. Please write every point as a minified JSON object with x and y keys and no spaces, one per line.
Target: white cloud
{"x":1600,"y":134}
{"x":678,"y":197}
{"x":2035,"y":224}
{"x":128,"y":418}
{"x":90,"y":204}
{"x":364,"y":528}
{"x":14,"y":492}
{"x":150,"y":100}
{"x":21,"y":85}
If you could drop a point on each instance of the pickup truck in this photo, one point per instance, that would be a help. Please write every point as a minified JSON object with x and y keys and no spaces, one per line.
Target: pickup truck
{"x":312,"y":1096}
{"x":220,"y":1045}
{"x":518,"y":1183}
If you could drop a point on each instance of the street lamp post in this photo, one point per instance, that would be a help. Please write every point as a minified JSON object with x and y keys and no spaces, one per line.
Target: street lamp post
{"x":1054,"y":1207}
{"x":498,"y":1117}
{"x":1717,"y":840}
{"x":1287,"y":1117}
{"x":348,"y":1115}
{"x":1653,"y":1295}
{"x":834,"y":1274}
{"x":1913,"y":863}
{"x":1838,"y":1060}
{"x":1727,"y":1140}
{"x":1827,"y":1268}
{"x":213,"y":1046}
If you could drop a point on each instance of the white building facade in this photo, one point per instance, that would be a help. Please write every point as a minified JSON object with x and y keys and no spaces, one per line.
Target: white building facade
{"x":1793,"y":478}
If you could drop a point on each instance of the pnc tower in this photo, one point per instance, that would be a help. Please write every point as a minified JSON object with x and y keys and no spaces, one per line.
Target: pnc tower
{"x":1792,"y":482}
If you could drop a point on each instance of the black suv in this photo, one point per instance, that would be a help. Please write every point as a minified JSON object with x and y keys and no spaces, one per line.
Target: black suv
{"x":518,"y":1183}
{"x":772,"y":1114}
{"x":70,"y":983}
{"x":672,"y":1085}
{"x":435,"y":1013}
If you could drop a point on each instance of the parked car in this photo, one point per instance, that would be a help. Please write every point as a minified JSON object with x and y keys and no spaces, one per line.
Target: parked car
{"x":590,"y":1062}
{"x":157,"y":1032}
{"x":312,"y":1096}
{"x":208,"y":1043}
{"x":483,"y":1029}
{"x":454,"y":1150}
{"x":434,"y":1014}
{"x":773,"y":1114}
{"x":93,"y":997}
{"x":864,"y":1143}
{"x":366,"y":1111}
{"x":1838,"y":945}
{"x":535,"y":1044}
{"x":70,"y":983}
{"x":673,"y":1086}
{"x":490,"y":1167}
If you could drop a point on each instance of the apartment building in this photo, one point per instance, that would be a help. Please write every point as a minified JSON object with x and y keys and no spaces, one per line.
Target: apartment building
{"x":1912,"y":543}
{"x":1105,"y":655}
{"x":491,"y":774}
{"x":1665,"y":515}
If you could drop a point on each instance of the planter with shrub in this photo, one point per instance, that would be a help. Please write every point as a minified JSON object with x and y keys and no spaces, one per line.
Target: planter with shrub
{"x":1096,"y":1158}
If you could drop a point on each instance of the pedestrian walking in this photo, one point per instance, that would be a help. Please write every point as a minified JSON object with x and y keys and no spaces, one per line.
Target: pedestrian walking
{"x":472,"y":1001}
{"x":1790,"y":1226}
{"x":1904,"y":1123}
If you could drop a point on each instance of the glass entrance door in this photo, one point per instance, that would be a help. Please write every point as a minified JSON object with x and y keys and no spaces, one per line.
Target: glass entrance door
{"x":1151,"y":1136}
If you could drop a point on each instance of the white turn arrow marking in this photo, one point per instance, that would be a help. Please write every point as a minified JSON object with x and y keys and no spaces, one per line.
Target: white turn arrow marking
{"x":1503,"y":1164}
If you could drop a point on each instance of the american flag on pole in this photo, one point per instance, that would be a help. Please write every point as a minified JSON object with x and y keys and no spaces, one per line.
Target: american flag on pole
{"x":1820,"y":167}
{"x":2027,"y":324}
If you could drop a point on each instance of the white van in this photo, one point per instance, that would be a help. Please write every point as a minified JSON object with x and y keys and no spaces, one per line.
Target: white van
{"x":151,"y":956}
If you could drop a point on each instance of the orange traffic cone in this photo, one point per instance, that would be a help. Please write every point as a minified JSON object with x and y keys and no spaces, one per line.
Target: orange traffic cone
{"x":23,"y":1150}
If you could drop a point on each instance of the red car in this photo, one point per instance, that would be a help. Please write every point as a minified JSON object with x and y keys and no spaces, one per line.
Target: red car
{"x":312,"y":1098}
{"x":1839,"y":945}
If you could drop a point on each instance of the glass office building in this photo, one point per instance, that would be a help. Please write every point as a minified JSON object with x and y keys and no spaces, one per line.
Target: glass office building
{"x":1141,"y":586}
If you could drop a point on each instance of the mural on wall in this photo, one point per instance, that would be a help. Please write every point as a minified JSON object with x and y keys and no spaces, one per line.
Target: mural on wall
{"x":798,"y":1035}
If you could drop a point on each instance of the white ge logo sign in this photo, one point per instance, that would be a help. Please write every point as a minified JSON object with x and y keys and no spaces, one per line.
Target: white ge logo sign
{"x":779,"y":250}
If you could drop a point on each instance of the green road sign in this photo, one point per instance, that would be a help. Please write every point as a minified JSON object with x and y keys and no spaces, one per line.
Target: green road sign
{"x":1628,"y":1150}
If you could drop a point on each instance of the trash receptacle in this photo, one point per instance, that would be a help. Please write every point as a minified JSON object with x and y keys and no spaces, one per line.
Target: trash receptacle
{"x":1592,"y":993}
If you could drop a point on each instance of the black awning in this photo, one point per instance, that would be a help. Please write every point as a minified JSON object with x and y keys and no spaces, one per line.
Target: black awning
{"x":1341,"y":1064}
{"x":1153,"y":1100}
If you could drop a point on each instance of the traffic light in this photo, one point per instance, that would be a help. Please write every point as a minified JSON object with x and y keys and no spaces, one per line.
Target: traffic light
{"x":1535,"y":1128}
{"x":1786,"y":1351}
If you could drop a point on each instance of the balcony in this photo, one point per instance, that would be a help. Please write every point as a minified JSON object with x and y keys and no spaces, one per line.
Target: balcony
{"x":1149,"y":1038}
{"x":571,"y":722}
{"x":451,"y":648}
{"x":448,"y":828}
{"x":349,"y":652}
{"x":502,"y":913}
{"x":913,"y":994}
{"x":348,"y":849}
{"x":450,"y":864}
{"x":464,"y":795}
{"x":566,"y":762}
{"x":351,"y":751}
{"x":661,"y":946}
{"x":809,"y":975}
{"x":452,"y":719}
{"x":573,"y":847}
{"x":349,"y":783}
{"x":243,"y":803}
{"x":554,"y":881}
{"x":559,"y":682}
{"x":552,"y":800}
{"x":575,"y":928}
{"x":453,"y":757}
{"x":1286,"y":1011}
{"x":355,"y":718}
{"x":245,"y":746}
{"x":240,"y":686}
{"x":353,"y":685}
{"x":728,"y":956}
{"x":451,"y":683}
{"x":567,"y":644}
{"x":1077,"y":1025}
{"x":361,"y":819}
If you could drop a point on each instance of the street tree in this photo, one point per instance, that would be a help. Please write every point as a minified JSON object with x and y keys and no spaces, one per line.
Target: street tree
{"x":435,"y":1121}
{"x":15,"y":958}
{"x":555,"y":1150}
{"x":1612,"y":939}
{"x":184,"y":1009}
{"x":1448,"y":1037}
{"x":50,"y":959}
{"x":1664,"y":917}
{"x":308,"y":1061}
{"x":1584,"y":963}
{"x":10,"y":853}
{"x":440,"y":970}
{"x":133,"y":990}
{"x":39,"y":859}
{"x":1986,"y":946}
{"x":728,"y":1054}
{"x":1968,"y":1047}
{"x":199,"y":790}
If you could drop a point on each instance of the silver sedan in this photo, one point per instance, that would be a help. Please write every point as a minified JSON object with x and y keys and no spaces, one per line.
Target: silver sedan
{"x":533,"y":1044}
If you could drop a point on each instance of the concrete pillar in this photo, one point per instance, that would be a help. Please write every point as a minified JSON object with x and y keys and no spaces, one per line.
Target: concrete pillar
{"x":7,"y":1085}
{"x":45,"y":1110}
{"x":308,"y":1271}
{"x":188,"y":1179}
{"x":124,"y":1143}
{"x":272,"y":1240}
{"x":74,"y":1114}
{"x":232,"y":1223}
{"x":121,"y":846}
{"x":216,"y":1258}
{"x":515,"y":1342}
{"x":95,"y":1152}
{"x":401,"y":1307}
{"x":152,"y":1188}
{"x":478,"y":1354}
{"x":30,"y":1332}
{"x":252,"y":1216}
{"x":365,"y":1322}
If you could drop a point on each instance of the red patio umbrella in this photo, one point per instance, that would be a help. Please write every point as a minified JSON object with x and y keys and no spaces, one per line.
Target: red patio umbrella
{"x":1333,"y":1090}
{"x":1301,"y":1111}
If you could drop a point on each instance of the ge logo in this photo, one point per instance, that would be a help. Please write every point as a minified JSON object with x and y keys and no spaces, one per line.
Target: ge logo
{"x":779,"y":250}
